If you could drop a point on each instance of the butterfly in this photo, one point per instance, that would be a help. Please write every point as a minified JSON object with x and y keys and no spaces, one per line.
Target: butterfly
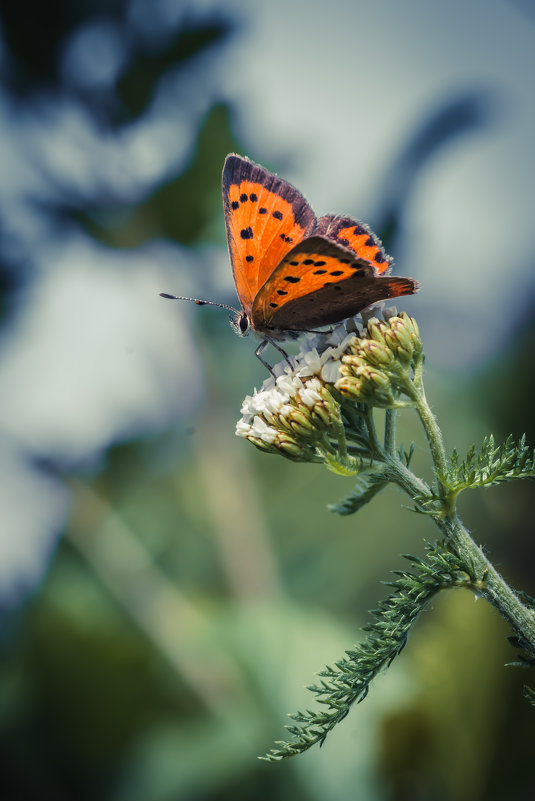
{"x":294,"y":272}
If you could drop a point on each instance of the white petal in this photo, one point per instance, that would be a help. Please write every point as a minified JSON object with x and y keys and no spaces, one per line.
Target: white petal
{"x":330,"y":372}
{"x":261,"y":430}
{"x":243,"y":429}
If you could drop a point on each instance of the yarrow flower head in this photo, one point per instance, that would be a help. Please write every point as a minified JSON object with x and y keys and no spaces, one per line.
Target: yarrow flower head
{"x":313,"y":406}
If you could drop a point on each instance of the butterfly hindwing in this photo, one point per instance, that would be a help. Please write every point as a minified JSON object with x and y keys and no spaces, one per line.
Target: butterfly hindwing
{"x":336,"y":302}
{"x":356,"y":236}
{"x":265,"y":218}
{"x":319,"y":282}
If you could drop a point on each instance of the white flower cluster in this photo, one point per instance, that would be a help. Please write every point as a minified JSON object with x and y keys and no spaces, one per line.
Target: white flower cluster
{"x":319,"y":357}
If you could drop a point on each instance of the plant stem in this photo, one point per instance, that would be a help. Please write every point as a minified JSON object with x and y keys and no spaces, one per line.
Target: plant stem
{"x":488,"y":582}
{"x":432,"y":432}
{"x":390,"y":431}
{"x":413,"y":485}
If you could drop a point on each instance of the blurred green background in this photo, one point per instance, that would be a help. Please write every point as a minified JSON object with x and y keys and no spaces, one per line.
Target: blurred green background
{"x":180,"y":589}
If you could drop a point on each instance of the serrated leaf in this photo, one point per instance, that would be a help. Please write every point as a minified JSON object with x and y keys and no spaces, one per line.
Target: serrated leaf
{"x":489,"y":465}
{"x":526,"y":599}
{"x":368,"y":484}
{"x":406,"y":456}
{"x":349,"y":466}
{"x":529,"y":694}
{"x":349,"y":680}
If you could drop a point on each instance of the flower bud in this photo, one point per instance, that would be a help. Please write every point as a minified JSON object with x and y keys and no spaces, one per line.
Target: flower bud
{"x":375,"y":353}
{"x":376,"y":329}
{"x":414,"y":332}
{"x":350,"y":387}
{"x":297,"y":421}
{"x":292,"y":448}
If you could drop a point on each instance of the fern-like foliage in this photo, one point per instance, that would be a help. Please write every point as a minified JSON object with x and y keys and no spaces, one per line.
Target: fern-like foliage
{"x":492,"y":464}
{"x":348,"y":681}
{"x":525,"y":660}
{"x":529,"y":694}
{"x":526,"y":599}
{"x":368,"y":483}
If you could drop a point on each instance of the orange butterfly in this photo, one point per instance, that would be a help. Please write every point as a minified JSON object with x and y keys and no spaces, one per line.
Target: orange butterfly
{"x":294,"y":272}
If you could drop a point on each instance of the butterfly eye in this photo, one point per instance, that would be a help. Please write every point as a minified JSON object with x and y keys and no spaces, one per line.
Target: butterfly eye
{"x":244,"y":324}
{"x":241,"y":324}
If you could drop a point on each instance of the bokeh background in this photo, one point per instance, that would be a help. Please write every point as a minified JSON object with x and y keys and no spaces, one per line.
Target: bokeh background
{"x":167,"y":591}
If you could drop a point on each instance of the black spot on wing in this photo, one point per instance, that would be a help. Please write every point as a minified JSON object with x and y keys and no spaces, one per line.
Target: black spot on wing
{"x":238,"y":169}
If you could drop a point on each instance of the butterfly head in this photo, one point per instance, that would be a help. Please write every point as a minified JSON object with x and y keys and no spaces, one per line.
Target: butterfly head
{"x":240,"y":323}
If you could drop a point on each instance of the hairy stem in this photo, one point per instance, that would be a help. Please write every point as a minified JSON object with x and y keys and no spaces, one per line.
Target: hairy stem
{"x":415,"y":487}
{"x":390,"y":431}
{"x":487,"y":581}
{"x":432,"y":432}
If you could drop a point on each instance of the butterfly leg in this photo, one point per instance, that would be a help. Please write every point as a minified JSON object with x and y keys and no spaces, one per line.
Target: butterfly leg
{"x":261,"y":347}
{"x":257,"y":353}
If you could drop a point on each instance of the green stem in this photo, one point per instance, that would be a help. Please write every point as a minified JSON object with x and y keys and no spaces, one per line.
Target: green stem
{"x":432,"y":432}
{"x":487,"y":581}
{"x":414,"y":486}
{"x":390,"y":431}
{"x":373,"y":440}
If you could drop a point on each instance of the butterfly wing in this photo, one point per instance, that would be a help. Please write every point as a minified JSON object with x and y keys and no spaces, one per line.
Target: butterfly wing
{"x":356,"y":236}
{"x":317,"y":283}
{"x":265,"y":217}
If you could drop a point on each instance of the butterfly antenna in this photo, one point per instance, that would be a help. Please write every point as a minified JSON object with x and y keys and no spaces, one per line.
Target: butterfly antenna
{"x":199,"y":302}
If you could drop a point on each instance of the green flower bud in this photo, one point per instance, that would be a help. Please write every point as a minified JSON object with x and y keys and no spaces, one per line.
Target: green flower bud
{"x":414,"y":331}
{"x":378,"y":379}
{"x":262,"y":445}
{"x":350,"y":387}
{"x":298,"y":422}
{"x":291,"y":447}
{"x":375,"y":352}
{"x":377,"y":329}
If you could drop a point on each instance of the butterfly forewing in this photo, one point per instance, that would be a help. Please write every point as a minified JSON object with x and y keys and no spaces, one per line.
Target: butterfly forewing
{"x":265,"y":217}
{"x":356,"y":236}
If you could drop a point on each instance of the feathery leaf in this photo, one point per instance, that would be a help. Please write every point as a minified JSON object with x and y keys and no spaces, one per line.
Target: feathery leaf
{"x":369,"y":482}
{"x":492,"y":464}
{"x":348,"y":681}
